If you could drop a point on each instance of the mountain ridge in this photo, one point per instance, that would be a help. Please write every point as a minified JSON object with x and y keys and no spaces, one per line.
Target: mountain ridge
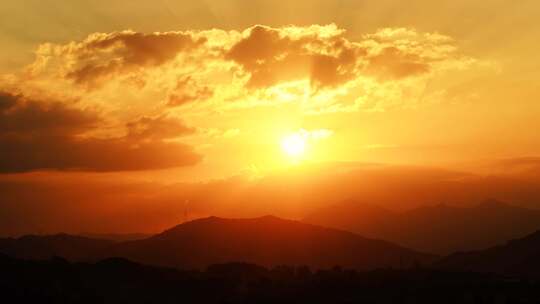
{"x":267,"y":241}
{"x":515,"y":257}
{"x":441,"y":229}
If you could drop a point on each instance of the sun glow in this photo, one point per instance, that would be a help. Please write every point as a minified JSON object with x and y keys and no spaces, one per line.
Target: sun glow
{"x":294,"y":145}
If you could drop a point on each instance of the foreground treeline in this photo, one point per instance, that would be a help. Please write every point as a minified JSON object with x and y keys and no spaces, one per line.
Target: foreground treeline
{"x":121,"y":281}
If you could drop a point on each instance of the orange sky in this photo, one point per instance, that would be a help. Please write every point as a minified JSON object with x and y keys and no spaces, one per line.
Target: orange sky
{"x":202,"y":92}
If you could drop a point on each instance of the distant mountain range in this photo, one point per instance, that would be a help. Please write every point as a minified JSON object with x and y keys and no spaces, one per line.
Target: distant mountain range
{"x":439,"y":229}
{"x":270,"y":241}
{"x":46,"y":246}
{"x":118,"y":237}
{"x":516,"y":257}
{"x":267,"y":241}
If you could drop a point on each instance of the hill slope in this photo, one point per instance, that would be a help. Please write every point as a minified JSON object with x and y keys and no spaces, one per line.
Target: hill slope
{"x":47,"y":246}
{"x":439,"y":229}
{"x":518,"y":257}
{"x":267,"y":241}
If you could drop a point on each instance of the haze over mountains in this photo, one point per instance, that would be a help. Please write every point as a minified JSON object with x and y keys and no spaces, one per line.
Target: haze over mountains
{"x":266,"y":241}
{"x":440,"y":229}
{"x":106,"y":208}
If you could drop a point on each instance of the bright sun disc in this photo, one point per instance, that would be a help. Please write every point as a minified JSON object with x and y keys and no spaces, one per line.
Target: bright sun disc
{"x":294,"y":145}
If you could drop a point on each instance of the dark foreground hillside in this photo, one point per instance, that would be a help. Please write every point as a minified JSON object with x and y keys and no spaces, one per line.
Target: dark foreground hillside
{"x":121,"y":281}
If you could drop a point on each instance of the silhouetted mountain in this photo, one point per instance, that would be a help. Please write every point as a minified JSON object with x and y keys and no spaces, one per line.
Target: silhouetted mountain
{"x":47,"y":246}
{"x":122,"y":281}
{"x":266,"y":241}
{"x":440,"y":229}
{"x":518,"y":257}
{"x":118,"y":237}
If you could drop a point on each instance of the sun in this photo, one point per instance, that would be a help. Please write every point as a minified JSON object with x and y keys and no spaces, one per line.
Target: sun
{"x":294,"y":145}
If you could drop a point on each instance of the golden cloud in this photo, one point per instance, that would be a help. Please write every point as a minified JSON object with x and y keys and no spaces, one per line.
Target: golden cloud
{"x":140,"y":82}
{"x":101,"y":55}
{"x":187,"y":90}
{"x":218,"y":65}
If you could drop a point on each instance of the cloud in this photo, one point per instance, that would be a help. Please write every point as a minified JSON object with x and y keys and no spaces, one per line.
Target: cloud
{"x":329,"y":58}
{"x":102,"y":55}
{"x":216,"y":133}
{"x":126,"y":88}
{"x":401,"y":52}
{"x":66,"y":153}
{"x":318,"y":65}
{"x":7,"y":100}
{"x":187,"y":90}
{"x":22,"y":117}
{"x":52,"y":135}
{"x":271,"y":56}
{"x":314,"y":135}
{"x":157,"y":128}
{"x":393,"y":63}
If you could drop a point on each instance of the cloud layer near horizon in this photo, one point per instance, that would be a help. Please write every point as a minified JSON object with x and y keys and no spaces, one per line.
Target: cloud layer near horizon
{"x":115,"y":204}
{"x":35,"y":134}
